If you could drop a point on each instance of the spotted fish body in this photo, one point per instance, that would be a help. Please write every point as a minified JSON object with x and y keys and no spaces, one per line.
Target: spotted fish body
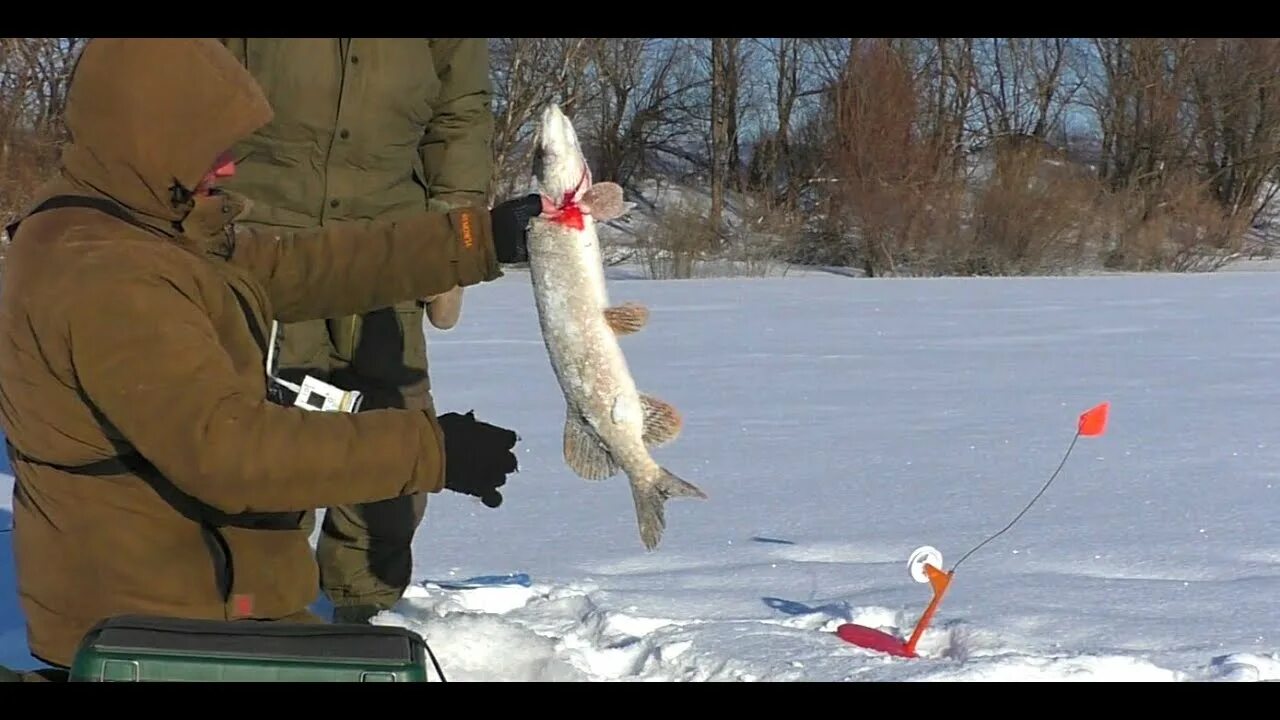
{"x":610,"y":426}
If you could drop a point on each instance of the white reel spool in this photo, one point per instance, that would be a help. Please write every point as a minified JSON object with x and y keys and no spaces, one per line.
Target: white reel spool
{"x":923,"y":555}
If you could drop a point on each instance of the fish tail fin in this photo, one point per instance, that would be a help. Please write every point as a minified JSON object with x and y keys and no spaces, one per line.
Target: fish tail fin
{"x":651,"y":501}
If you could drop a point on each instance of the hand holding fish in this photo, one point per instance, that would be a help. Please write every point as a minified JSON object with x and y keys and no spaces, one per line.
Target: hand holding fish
{"x":510,"y":227}
{"x":509,"y":221}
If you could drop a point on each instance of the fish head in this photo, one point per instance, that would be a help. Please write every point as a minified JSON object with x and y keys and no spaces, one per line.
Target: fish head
{"x":559,"y":166}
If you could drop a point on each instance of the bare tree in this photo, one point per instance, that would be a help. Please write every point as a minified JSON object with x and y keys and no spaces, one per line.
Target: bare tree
{"x":1236,"y":102}
{"x":638,"y":114}
{"x":1022,"y":84}
{"x":796,"y":71}
{"x":726,"y":67}
{"x":34,"y":74}
{"x":1138,"y":100}
{"x":886,"y":174}
{"x":953,"y":94}
{"x":902,"y":155}
{"x":528,"y":73}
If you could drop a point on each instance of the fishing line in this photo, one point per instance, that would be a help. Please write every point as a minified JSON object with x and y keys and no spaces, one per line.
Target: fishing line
{"x":1028,"y":507}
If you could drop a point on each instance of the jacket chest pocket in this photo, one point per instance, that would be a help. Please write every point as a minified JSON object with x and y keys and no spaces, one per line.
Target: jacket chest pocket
{"x":396,"y":74}
{"x":302,"y":79}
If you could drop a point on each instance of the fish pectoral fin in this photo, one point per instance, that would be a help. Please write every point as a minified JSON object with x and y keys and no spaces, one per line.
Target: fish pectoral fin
{"x":584,"y":451}
{"x":662,"y":422}
{"x":604,"y":202}
{"x":626,"y":318}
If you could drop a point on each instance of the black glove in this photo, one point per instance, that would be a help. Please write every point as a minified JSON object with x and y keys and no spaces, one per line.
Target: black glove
{"x":478,"y":456}
{"x":510,"y":222}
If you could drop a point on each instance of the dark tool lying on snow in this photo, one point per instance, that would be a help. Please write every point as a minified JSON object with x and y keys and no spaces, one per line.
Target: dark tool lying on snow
{"x":925,"y":563}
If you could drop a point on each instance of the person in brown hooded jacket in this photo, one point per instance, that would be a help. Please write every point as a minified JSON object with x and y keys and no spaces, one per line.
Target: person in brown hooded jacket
{"x":153,"y":473}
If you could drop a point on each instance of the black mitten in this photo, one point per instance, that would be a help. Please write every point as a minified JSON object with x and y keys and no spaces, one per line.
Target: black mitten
{"x":478,"y":456}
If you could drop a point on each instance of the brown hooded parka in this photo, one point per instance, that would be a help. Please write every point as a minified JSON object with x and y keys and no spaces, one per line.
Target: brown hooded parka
{"x":127,"y":342}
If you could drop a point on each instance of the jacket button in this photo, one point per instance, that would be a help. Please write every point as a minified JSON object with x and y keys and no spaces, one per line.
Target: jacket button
{"x":333,"y":202}
{"x":355,"y":59}
{"x":344,"y":134}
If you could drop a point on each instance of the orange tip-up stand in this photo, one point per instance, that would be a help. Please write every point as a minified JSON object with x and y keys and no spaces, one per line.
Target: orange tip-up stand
{"x":881,"y":641}
{"x":939,"y":581}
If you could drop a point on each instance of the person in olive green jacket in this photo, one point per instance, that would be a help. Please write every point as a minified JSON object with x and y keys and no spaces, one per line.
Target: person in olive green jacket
{"x":367,"y":129}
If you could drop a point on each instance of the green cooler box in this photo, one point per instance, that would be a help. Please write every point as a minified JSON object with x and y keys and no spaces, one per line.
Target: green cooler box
{"x":159,"y":649}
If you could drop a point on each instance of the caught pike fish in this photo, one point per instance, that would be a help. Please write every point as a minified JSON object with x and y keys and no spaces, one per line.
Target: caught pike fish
{"x":609,"y":425}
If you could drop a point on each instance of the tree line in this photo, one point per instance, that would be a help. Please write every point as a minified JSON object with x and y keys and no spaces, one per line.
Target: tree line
{"x":890,"y":155}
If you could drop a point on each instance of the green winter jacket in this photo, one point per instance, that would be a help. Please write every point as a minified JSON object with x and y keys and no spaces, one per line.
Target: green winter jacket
{"x":364,"y":128}
{"x":334,"y":152}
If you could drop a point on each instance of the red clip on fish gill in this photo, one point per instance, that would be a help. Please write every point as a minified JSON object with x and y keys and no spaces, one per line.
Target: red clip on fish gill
{"x":568,"y":212}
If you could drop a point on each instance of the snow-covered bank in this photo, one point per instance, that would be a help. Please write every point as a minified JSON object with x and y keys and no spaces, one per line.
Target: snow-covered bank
{"x":838,"y":424}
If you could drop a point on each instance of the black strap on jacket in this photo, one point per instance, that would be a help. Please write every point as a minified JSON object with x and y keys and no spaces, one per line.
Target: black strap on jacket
{"x":119,"y":465}
{"x":134,"y":463}
{"x":110,"y":466}
{"x":116,"y":211}
{"x":77,"y":201}
{"x":113,"y":466}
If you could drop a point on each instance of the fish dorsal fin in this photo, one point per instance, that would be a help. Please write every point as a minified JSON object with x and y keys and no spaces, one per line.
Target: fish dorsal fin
{"x":662,"y":422}
{"x":604,"y":202}
{"x":584,"y":452}
{"x":626,"y":318}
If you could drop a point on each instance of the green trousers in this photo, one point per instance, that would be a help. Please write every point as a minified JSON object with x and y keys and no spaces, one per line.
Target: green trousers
{"x":365,"y":551}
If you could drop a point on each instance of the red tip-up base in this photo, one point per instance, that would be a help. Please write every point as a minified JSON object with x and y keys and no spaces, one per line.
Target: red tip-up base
{"x":873,"y":639}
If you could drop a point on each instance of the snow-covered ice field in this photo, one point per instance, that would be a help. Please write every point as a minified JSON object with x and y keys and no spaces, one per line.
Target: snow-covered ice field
{"x":837,"y":424}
